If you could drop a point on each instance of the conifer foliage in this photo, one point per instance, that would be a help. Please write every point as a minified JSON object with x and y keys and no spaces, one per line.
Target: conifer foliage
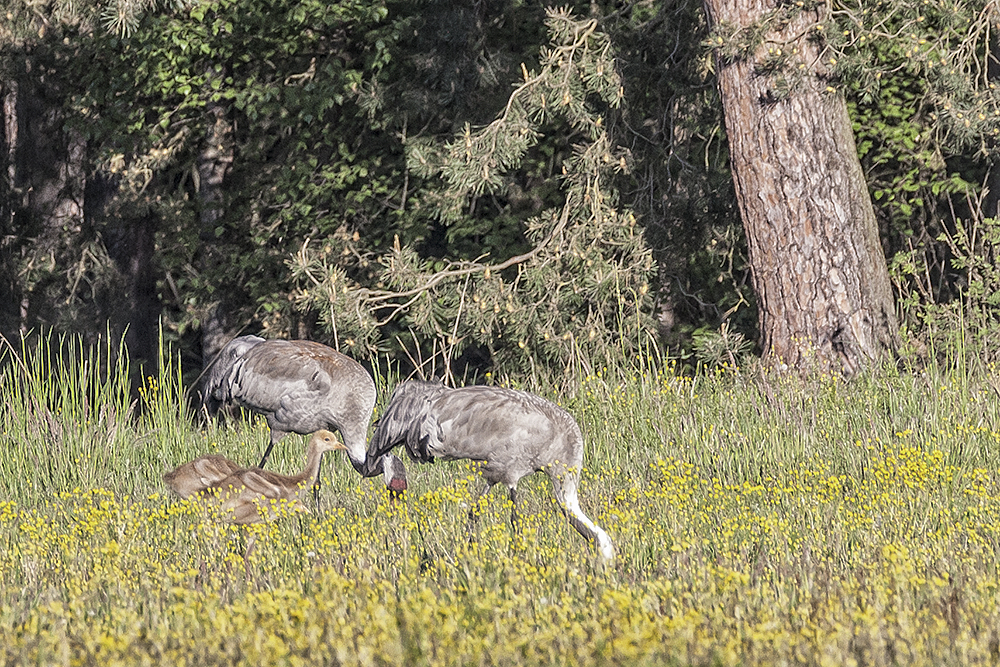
{"x":578,"y":297}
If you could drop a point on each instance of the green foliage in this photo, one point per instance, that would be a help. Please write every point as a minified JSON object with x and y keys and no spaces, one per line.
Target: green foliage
{"x":967,"y":327}
{"x":352,"y":124}
{"x":908,"y":68}
{"x":911,"y":184}
{"x":724,"y":348}
{"x":284,"y":76}
{"x":679,"y":183}
{"x":577,"y":297}
{"x":320,"y":100}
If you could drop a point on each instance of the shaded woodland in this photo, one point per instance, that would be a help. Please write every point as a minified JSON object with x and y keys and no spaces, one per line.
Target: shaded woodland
{"x":503,"y":187}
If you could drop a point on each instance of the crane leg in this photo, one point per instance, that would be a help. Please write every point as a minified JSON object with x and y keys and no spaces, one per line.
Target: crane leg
{"x":474,"y":511}
{"x":319,"y":471}
{"x":517,"y":537}
{"x":564,"y":487}
{"x":267,"y":453}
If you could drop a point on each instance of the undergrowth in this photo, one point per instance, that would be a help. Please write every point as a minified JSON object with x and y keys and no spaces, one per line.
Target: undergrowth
{"x":758,"y":519}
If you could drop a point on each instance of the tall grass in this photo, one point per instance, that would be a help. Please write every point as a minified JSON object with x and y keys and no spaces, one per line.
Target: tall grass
{"x":758,"y":519}
{"x":65,"y":414}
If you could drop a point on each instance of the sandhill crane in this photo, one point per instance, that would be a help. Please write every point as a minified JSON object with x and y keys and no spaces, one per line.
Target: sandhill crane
{"x":194,"y":476}
{"x":245,"y":493}
{"x":513,"y":433}
{"x":299,"y":386}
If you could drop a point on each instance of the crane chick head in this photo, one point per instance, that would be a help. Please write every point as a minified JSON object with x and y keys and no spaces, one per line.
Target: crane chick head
{"x":325,"y":441}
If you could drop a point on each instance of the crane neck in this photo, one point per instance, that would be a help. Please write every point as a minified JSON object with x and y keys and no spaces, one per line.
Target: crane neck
{"x":314,"y":455}
{"x":356,"y":445}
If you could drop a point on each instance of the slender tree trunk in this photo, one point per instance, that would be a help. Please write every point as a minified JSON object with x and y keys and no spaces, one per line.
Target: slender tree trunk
{"x":991,"y":200}
{"x":45,"y":179}
{"x":817,"y":265}
{"x":132,"y":246}
{"x":213,"y":164}
{"x":10,"y":295}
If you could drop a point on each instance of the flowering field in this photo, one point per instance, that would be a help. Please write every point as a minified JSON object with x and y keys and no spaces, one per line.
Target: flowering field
{"x":757,"y":521}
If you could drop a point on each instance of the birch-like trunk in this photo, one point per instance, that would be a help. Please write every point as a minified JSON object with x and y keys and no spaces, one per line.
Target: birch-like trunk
{"x":214,"y":162}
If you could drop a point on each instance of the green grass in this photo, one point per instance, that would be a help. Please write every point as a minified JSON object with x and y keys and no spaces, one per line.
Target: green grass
{"x":758,"y":519}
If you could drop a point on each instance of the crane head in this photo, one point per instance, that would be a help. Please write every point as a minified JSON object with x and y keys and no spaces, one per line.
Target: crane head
{"x":326,"y":441}
{"x":394,"y":474}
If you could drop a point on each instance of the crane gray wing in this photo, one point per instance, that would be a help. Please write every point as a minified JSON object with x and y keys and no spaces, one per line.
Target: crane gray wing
{"x":407,"y":420}
{"x":216,"y":389}
{"x":514,"y":431}
{"x":278,"y":377}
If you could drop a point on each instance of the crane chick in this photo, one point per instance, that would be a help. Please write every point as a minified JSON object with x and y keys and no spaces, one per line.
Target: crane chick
{"x":194,"y":476}
{"x":248,"y":495}
{"x":513,"y":433}
{"x":300,"y":386}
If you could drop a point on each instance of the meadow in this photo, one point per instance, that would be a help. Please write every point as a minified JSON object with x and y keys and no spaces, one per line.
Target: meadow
{"x":759,"y":520}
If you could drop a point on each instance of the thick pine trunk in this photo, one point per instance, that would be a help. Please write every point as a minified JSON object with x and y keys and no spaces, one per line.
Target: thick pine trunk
{"x":817,"y":265}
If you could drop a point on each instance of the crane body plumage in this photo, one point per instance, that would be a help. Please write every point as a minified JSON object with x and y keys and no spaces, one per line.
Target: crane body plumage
{"x":299,"y":386}
{"x":512,"y":433}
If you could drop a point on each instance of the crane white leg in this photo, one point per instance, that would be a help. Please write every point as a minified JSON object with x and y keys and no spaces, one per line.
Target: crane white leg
{"x":564,"y":484}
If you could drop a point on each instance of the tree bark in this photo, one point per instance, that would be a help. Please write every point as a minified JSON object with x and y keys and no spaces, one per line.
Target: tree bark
{"x":44,"y":184}
{"x":132,"y":246}
{"x":817,"y":265}
{"x":10,"y":294}
{"x":214,"y":161}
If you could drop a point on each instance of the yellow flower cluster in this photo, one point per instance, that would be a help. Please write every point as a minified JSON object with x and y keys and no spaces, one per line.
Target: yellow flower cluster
{"x":807,"y":566}
{"x":759,"y":522}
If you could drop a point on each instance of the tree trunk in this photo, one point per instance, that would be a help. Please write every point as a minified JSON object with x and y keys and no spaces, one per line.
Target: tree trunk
{"x":10,"y":294}
{"x":818,"y":269}
{"x":43,"y":218}
{"x":214,"y":161}
{"x":132,"y":246}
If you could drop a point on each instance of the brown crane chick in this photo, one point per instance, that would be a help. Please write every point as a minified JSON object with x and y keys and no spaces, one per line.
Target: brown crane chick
{"x":248,"y":495}
{"x":194,"y":476}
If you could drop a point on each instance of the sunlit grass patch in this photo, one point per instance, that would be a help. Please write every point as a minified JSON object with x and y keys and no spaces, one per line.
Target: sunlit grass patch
{"x":757,"y":521}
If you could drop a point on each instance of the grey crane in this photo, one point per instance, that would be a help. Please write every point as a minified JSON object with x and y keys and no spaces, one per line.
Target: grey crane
{"x":249,"y":495}
{"x":513,"y":433}
{"x":300,"y":386}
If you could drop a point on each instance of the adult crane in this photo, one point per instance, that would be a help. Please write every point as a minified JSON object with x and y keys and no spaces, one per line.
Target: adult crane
{"x":513,"y":433}
{"x":300,"y":386}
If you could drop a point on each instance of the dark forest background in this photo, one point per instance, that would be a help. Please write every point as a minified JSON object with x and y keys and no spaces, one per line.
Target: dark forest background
{"x":461,"y":186}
